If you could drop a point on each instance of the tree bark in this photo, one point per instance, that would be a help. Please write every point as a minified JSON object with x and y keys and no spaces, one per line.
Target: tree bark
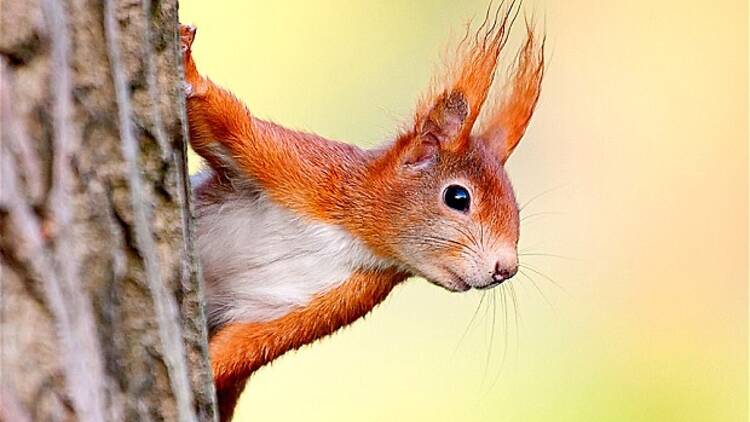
{"x":101,"y":314}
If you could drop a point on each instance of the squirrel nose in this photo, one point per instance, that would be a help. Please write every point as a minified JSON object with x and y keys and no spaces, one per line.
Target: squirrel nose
{"x":503,"y":273}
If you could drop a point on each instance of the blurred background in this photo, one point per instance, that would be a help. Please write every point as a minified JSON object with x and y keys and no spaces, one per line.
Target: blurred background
{"x":636,"y":307}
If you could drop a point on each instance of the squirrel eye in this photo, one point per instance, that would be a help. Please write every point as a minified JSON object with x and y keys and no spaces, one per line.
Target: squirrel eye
{"x":457,"y":197}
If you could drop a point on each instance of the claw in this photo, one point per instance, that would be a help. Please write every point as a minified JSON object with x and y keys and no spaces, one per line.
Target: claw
{"x":187,"y":36}
{"x":187,"y":89}
{"x":192,"y":86}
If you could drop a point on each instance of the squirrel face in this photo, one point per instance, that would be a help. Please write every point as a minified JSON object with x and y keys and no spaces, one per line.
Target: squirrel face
{"x":451,"y":218}
{"x":477,"y":220}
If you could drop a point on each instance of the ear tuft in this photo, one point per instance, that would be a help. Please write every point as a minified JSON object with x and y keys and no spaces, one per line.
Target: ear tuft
{"x":447,"y":113}
{"x":506,"y":122}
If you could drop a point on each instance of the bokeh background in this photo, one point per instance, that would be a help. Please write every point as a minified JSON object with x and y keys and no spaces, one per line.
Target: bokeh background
{"x":639,"y":151}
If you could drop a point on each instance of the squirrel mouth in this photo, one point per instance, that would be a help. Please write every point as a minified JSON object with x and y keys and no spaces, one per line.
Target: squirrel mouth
{"x":458,"y":283}
{"x":491,"y":285}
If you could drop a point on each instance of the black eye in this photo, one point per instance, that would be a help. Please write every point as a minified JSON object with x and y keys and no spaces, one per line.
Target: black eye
{"x":457,"y":197}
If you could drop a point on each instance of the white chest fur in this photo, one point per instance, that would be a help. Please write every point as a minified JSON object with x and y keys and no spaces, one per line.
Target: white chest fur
{"x":261,"y":261}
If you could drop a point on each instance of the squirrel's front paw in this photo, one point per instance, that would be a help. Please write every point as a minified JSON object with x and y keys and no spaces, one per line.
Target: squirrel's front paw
{"x":193,"y":82}
{"x":187,"y":35}
{"x":187,"y":89}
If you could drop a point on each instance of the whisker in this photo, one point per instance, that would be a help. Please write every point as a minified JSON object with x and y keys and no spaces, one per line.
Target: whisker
{"x":540,"y":214}
{"x":434,"y":239}
{"x":507,"y":291}
{"x":449,"y":241}
{"x":506,"y":323}
{"x":569,"y":258}
{"x":536,"y":287}
{"x":492,"y":336}
{"x":467,"y":253}
{"x":514,"y":300}
{"x":471,"y":237}
{"x":517,"y":316}
{"x":537,"y":196}
{"x":471,"y":322}
{"x":465,"y":249}
{"x":545,"y":276}
{"x":530,"y":248}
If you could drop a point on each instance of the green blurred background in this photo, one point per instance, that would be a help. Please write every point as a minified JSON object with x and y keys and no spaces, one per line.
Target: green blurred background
{"x":641,"y":136}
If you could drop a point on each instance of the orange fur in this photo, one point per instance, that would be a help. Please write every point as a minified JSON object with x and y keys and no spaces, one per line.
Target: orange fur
{"x":509,"y":118}
{"x":472,"y":70}
{"x":341,"y":184}
{"x":239,"y":349}
{"x":291,"y":166}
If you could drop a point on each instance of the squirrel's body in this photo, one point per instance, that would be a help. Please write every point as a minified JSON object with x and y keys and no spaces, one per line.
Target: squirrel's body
{"x":278,"y":277}
{"x":275,"y":260}
{"x":299,"y":235}
{"x":276,"y":280}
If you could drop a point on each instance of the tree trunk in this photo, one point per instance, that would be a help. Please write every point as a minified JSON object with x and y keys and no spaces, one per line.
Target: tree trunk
{"x":101,"y":314}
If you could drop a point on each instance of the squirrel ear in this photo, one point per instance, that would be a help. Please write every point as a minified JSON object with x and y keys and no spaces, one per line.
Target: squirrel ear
{"x":444,"y":123}
{"x":446,"y":119}
{"x":440,"y":130}
{"x":507,"y":121}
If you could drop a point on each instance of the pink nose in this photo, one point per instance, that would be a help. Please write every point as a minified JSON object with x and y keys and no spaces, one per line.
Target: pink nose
{"x":503,"y":272}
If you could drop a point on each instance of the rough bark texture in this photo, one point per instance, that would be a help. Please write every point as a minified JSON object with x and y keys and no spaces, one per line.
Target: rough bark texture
{"x":101,"y":315}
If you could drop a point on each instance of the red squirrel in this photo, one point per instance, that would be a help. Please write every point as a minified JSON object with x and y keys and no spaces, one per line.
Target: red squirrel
{"x":299,"y":235}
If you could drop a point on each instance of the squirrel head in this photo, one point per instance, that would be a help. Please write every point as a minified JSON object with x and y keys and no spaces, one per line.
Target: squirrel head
{"x":446,"y":208}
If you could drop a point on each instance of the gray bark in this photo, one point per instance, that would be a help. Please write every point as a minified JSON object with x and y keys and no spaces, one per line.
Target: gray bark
{"x":100,"y":308}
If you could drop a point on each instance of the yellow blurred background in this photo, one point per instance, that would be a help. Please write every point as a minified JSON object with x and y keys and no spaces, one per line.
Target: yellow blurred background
{"x":639,"y":147}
